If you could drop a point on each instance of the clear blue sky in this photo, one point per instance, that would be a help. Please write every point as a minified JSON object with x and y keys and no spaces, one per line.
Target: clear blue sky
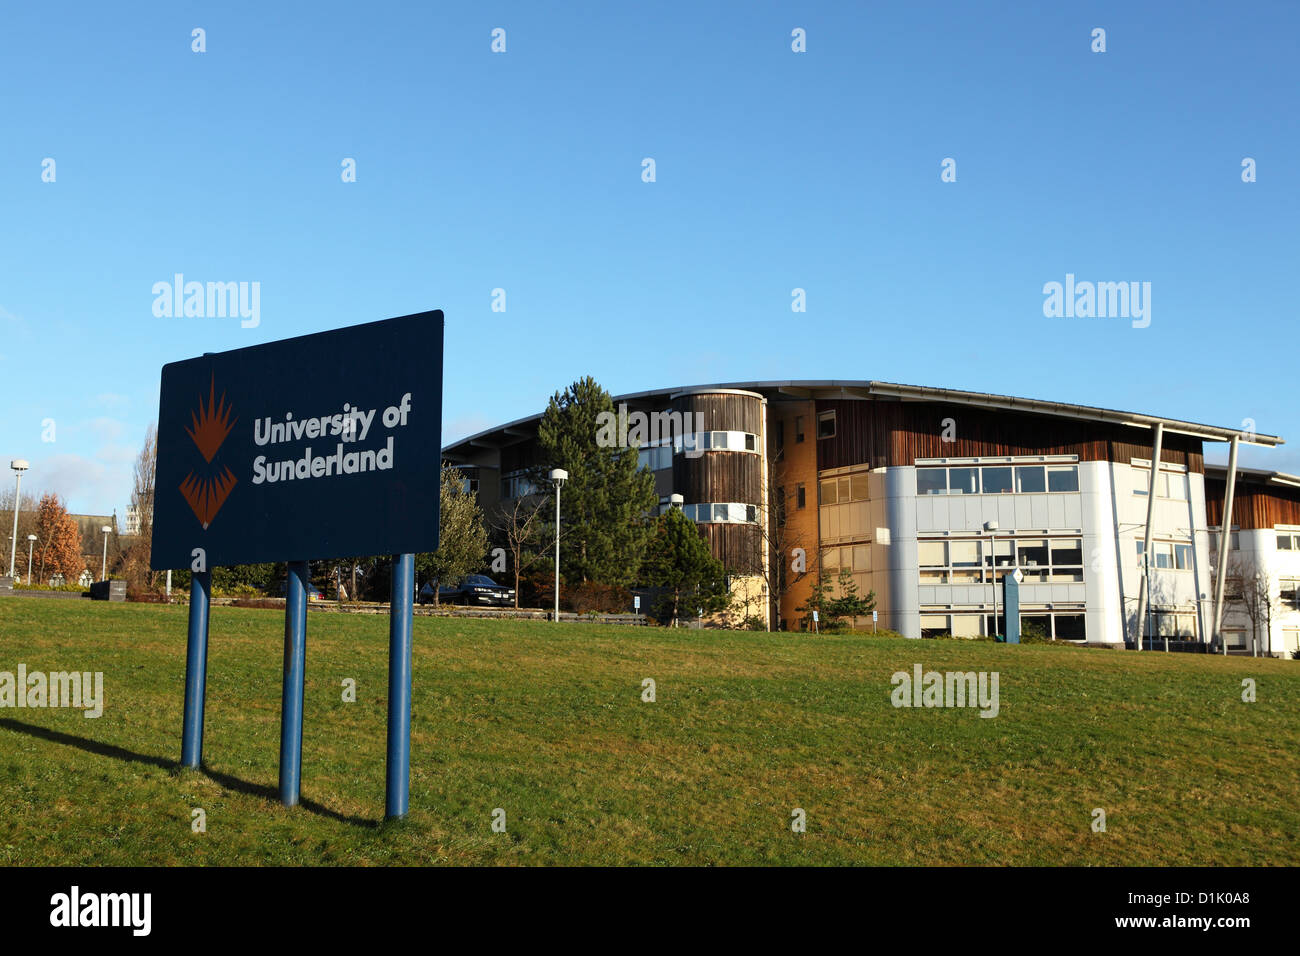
{"x":775,"y":170}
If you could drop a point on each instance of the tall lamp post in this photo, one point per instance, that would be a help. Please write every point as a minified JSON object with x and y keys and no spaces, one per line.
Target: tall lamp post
{"x":31,"y":539}
{"x":559,"y":476}
{"x":19,"y":465}
{"x":103,"y":567}
{"x":991,"y":527}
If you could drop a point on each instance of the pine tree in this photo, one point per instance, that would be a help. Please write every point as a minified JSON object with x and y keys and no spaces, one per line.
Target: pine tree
{"x":607,"y":497}
{"x":679,"y":559}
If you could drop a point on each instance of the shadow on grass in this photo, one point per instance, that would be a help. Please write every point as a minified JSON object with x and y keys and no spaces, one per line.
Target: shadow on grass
{"x":130,"y":756}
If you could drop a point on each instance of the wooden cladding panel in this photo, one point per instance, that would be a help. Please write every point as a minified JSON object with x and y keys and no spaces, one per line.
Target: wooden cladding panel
{"x":738,"y":546}
{"x":1253,"y":505}
{"x":719,"y":476}
{"x":882,"y":433}
{"x":720,"y":412}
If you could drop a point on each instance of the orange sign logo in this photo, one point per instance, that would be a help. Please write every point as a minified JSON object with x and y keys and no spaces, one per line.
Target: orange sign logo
{"x":208,"y":430}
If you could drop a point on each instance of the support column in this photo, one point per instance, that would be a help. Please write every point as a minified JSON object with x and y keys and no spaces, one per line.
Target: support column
{"x":196,"y":669}
{"x":1225,"y":545}
{"x":397,"y":800}
{"x":1144,"y":589}
{"x":295,"y":654}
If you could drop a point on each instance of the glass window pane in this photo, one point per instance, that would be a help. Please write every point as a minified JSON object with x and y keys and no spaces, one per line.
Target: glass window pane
{"x":1062,"y":477}
{"x":859,"y":488}
{"x":932,"y":554}
{"x":963,"y":481}
{"x":932,"y":624}
{"x":1070,"y":627}
{"x":749,"y":442}
{"x":1284,"y":542}
{"x":844,"y":492}
{"x":1030,"y":478}
{"x":828,"y":492}
{"x":861,"y":558}
{"x":1067,"y":551}
{"x":997,"y":481}
{"x":934,"y":576}
{"x":1183,"y":557}
{"x":931,"y":481}
{"x":1031,"y":552}
{"x":965,"y":554}
{"x":1164,"y":554}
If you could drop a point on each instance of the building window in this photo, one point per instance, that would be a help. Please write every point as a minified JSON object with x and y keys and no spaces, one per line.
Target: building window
{"x":1168,"y":555}
{"x":1062,"y":477}
{"x":1285,"y":542}
{"x":968,"y":560}
{"x":801,"y":498}
{"x":721,"y":513}
{"x":1030,"y":479}
{"x":826,"y":424}
{"x":997,"y":480}
{"x":798,"y":429}
{"x":1289,"y":594}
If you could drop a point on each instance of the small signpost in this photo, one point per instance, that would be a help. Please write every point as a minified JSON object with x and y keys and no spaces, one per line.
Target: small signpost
{"x":875,"y":616}
{"x":321,"y":446}
{"x":815,"y":627}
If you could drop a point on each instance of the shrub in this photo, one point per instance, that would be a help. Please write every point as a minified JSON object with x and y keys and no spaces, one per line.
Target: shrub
{"x":593,"y":597}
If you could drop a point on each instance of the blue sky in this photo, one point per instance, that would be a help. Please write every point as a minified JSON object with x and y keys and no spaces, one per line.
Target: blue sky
{"x":774,"y":170}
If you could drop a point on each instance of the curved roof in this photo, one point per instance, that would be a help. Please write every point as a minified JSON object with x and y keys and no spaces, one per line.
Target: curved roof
{"x":838,"y":388}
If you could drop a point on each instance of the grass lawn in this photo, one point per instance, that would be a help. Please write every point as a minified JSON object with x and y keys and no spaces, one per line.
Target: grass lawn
{"x":546,"y":721}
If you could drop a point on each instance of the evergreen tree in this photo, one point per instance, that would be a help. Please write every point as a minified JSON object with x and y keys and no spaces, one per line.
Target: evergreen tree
{"x":679,"y":559}
{"x":607,"y":497}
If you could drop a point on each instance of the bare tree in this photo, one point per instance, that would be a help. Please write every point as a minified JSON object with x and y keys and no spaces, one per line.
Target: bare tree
{"x":522,"y":524}
{"x":136,"y":557}
{"x":1251,"y":587}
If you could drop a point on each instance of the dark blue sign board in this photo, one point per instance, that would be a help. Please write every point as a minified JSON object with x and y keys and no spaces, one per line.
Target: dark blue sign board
{"x":322,"y":446}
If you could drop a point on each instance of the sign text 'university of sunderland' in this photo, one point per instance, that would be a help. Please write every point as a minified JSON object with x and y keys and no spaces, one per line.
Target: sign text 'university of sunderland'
{"x":322,"y":446}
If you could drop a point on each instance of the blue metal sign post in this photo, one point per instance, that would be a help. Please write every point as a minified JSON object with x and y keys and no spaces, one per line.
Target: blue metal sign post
{"x":256,"y":445}
{"x":295,"y":660}
{"x":196,"y":669}
{"x":1011,"y":607}
{"x":397,"y":790}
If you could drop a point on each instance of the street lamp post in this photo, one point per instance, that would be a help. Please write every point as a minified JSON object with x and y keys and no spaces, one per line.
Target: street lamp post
{"x":103,"y":567}
{"x":19,"y":465}
{"x":31,"y":539}
{"x":559,"y":476}
{"x":991,"y":527}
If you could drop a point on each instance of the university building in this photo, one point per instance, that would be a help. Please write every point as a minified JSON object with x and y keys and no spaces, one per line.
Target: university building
{"x":925,"y":494}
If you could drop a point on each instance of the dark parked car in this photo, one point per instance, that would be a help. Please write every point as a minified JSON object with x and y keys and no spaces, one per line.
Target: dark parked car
{"x":476,"y":589}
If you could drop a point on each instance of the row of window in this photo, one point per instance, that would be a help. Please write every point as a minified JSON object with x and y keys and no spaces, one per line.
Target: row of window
{"x":1066,"y":626}
{"x":969,"y":560}
{"x":1169,"y":484}
{"x":835,"y":491}
{"x":1288,"y":542}
{"x":997,"y":479}
{"x":855,"y":557}
{"x":715,"y":513}
{"x":1168,"y":554}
